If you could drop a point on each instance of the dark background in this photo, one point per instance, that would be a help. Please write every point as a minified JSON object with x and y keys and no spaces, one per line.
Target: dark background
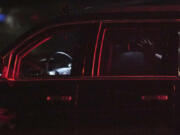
{"x":16,"y":17}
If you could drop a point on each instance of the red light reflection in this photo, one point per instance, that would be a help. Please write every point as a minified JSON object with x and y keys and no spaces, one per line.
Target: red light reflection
{"x":100,"y":53}
{"x":129,"y":48}
{"x":94,"y":57}
{"x":38,"y":44}
{"x":48,"y":98}
{"x":162,"y":97}
{"x":59,"y":98}
{"x":155,"y":97}
{"x":9,"y":63}
{"x":66,"y":98}
{"x":22,"y":56}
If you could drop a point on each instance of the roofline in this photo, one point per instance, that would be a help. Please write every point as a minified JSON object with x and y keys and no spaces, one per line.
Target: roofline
{"x":136,"y":8}
{"x":131,"y":12}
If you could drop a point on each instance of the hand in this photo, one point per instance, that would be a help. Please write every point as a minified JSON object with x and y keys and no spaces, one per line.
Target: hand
{"x":146,"y":46}
{"x":145,"y":43}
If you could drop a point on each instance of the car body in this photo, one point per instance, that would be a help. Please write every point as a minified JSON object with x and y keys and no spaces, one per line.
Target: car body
{"x":116,"y":67}
{"x":6,"y":119}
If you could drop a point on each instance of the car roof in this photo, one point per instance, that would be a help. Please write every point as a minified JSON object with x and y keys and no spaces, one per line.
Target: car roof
{"x":119,"y":7}
{"x":100,"y":14}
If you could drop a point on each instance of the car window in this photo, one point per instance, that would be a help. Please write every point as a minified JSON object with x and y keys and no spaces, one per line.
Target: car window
{"x":59,"y":54}
{"x":139,"y":51}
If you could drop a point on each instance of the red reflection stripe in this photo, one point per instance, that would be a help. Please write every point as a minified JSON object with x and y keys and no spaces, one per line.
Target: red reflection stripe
{"x":100,"y":53}
{"x":35,"y":46}
{"x":28,"y":46}
{"x":95,"y":49}
{"x":154,"y":97}
{"x":28,"y":51}
{"x":9,"y":63}
{"x":18,"y":61}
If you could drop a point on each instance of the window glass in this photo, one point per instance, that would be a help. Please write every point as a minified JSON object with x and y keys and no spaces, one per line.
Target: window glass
{"x":134,"y":51}
{"x":60,"y":55}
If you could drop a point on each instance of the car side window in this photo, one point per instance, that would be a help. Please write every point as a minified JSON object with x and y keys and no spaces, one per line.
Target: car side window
{"x":59,"y":54}
{"x":139,"y":52}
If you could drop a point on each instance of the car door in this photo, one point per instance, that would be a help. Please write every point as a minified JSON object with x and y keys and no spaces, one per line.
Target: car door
{"x":133,"y":80}
{"x":44,"y":70}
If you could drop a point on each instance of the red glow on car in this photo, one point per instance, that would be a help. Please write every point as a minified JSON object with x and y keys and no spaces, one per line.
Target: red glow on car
{"x":66,"y":98}
{"x":48,"y":98}
{"x":22,"y":56}
{"x":162,"y":97}
{"x":155,"y":97}
{"x":4,"y":71}
{"x":10,"y":79}
{"x":35,"y":46}
{"x":9,"y":63}
{"x":129,"y":48}
{"x":100,"y":53}
{"x":95,"y":49}
{"x":83,"y":71}
{"x":70,"y":98}
{"x":142,"y":97}
{"x":59,"y":98}
{"x":83,"y":68}
{"x":19,"y":59}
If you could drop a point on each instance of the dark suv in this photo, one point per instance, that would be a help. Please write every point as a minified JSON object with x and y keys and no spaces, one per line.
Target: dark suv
{"x":120,"y":67}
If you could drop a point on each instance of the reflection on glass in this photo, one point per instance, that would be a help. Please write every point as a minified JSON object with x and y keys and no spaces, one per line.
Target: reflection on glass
{"x":138,"y":52}
{"x":61,"y":71}
{"x":59,"y":55}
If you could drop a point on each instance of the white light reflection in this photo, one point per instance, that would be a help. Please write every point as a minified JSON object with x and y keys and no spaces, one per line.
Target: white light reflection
{"x":159,"y":56}
{"x":63,"y":53}
{"x":61,"y":71}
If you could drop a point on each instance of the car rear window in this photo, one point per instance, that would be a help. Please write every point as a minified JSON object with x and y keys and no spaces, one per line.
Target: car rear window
{"x":139,"y":51}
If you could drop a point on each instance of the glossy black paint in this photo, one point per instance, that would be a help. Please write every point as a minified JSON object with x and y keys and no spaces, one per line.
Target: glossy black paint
{"x":96,"y":100}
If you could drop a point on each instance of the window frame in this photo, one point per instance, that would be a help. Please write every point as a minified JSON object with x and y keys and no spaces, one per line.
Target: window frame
{"x":14,"y":60}
{"x":107,"y":24}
